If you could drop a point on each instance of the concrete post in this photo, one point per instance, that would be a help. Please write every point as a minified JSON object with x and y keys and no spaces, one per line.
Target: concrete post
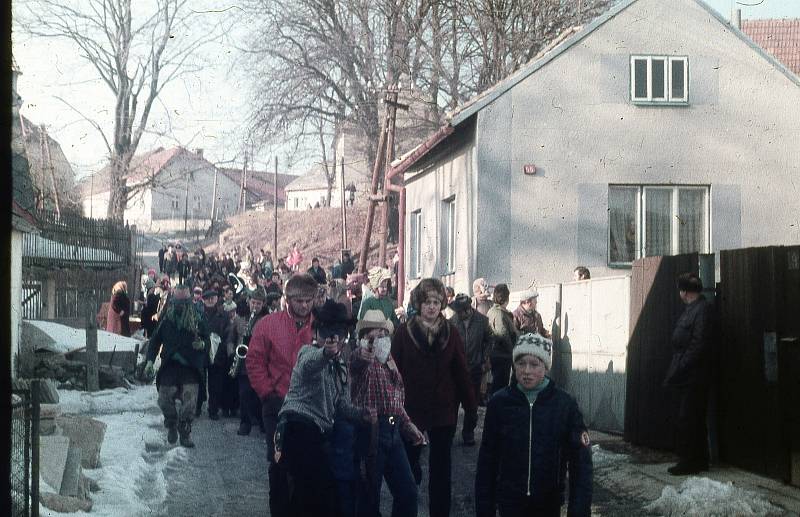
{"x":92,"y":375}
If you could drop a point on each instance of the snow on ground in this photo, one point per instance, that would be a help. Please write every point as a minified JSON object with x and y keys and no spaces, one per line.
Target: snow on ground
{"x":134,"y":455}
{"x":700,"y":496}
{"x":47,"y":248}
{"x":604,"y":458}
{"x":67,"y":339}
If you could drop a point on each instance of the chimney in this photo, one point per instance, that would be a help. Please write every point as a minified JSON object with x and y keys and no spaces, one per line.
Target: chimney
{"x":199,"y":152}
{"x":736,"y":18}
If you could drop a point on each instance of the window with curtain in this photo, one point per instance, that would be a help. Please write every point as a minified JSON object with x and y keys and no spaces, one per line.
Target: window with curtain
{"x":666,"y":220}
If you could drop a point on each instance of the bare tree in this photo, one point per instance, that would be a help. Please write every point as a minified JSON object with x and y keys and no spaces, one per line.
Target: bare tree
{"x":135,"y":54}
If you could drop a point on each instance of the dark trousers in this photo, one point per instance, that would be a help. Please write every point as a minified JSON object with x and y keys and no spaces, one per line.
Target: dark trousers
{"x":439,"y":468}
{"x":501,"y":371}
{"x":278,"y":480}
{"x":249,"y":405}
{"x":691,"y":434}
{"x":471,"y":417}
{"x":526,"y":508}
{"x":305,"y":456}
{"x":386,"y":459}
{"x":223,"y":392}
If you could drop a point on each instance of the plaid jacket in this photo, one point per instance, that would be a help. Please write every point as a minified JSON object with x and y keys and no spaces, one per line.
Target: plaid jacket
{"x":377,"y":386}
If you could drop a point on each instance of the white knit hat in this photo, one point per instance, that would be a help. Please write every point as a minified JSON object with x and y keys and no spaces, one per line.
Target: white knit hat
{"x":528,"y":294}
{"x":536,"y":345}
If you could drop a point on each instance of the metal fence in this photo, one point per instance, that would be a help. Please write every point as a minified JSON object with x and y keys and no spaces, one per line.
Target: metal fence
{"x":24,"y":476}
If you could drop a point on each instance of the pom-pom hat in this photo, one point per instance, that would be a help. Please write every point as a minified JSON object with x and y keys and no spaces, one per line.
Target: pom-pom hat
{"x":536,"y":345}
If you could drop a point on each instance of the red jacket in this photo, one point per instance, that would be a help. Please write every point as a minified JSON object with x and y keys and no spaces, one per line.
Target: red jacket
{"x":272,"y":352}
{"x":435,"y":376}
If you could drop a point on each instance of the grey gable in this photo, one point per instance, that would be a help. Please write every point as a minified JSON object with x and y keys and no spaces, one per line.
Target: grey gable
{"x":495,"y":92}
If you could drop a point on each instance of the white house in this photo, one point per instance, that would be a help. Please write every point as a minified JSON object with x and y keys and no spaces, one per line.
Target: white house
{"x":175,"y":184}
{"x":657,"y":129}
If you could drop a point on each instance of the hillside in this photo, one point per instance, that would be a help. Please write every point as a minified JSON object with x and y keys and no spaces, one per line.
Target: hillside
{"x":317,"y":232}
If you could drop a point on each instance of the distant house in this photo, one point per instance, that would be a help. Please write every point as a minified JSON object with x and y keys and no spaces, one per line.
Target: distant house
{"x":52,"y":178}
{"x":780,"y":37}
{"x":173,"y":184}
{"x":657,"y":129}
{"x":260,"y":186}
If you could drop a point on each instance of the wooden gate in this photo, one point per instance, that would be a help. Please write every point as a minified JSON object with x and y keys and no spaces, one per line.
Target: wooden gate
{"x":655,"y":307}
{"x":32,"y":300}
{"x":758,"y":359}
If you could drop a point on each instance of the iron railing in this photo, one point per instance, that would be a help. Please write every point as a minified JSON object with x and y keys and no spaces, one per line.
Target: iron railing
{"x":25,"y":449}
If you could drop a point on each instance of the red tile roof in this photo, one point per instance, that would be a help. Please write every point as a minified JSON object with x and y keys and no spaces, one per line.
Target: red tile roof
{"x":261,"y":183}
{"x":779,"y":37}
{"x":143,"y":167}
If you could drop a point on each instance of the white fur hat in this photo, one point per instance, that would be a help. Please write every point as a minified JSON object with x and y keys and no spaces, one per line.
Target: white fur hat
{"x":528,"y":294}
{"x":536,"y":345}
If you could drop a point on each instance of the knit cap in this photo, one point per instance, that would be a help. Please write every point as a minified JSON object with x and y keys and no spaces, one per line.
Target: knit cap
{"x":536,"y":345}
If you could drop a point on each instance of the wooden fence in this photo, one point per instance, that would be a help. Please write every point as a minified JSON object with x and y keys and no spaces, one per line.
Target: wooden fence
{"x":76,"y":240}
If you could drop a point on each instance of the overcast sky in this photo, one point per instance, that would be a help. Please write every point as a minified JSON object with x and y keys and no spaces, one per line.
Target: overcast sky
{"x":206,"y":110}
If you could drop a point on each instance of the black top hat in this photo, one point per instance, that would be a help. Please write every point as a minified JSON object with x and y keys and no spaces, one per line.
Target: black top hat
{"x":331,"y":318}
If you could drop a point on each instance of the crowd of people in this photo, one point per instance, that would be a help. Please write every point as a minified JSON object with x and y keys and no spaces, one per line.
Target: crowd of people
{"x":350,"y":390}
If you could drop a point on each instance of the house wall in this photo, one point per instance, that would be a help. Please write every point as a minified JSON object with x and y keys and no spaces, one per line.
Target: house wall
{"x":574,"y":121}
{"x":300,"y":199}
{"x":16,"y":296}
{"x":169,"y":196}
{"x":426,"y":191}
{"x":96,"y":205}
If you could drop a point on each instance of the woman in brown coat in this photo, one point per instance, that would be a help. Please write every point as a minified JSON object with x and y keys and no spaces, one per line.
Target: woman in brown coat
{"x":119,"y":310}
{"x":429,"y":354}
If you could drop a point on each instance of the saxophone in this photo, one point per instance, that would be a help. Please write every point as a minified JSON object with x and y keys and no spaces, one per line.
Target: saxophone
{"x":240,"y":352}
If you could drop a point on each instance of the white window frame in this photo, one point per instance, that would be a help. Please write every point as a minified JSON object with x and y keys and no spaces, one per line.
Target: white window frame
{"x":415,"y":242}
{"x":641,"y":219}
{"x":449,"y":234}
{"x":669,"y":62}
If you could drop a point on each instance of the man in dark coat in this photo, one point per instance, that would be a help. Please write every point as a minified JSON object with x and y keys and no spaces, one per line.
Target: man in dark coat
{"x":348,"y":266}
{"x":183,"y":334}
{"x":249,"y":404}
{"x":161,"y":253}
{"x":219,"y":325}
{"x":478,"y":338}
{"x":688,"y":377}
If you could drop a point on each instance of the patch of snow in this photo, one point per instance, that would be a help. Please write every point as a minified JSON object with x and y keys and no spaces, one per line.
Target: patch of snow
{"x":700,"y":496}
{"x":134,"y":454}
{"x":602,"y":457}
{"x":67,"y":339}
{"x":106,"y":402}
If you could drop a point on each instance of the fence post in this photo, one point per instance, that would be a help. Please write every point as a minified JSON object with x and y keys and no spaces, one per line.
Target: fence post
{"x":34,"y":496}
{"x":92,"y":379}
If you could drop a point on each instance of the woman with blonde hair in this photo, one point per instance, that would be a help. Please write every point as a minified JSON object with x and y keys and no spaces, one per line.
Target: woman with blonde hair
{"x":119,"y":309}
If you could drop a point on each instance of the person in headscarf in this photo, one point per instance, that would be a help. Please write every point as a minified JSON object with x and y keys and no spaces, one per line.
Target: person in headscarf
{"x":119,"y":310}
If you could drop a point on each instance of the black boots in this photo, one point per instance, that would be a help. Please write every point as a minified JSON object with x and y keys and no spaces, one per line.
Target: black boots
{"x":685,"y":468}
{"x":244,"y":429}
{"x":172,"y":434}
{"x":185,"y":429}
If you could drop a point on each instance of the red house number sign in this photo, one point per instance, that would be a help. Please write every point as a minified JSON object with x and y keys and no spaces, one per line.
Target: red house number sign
{"x":529,"y":169}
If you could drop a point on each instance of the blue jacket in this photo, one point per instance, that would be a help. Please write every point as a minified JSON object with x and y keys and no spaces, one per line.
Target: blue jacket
{"x":527,"y":449}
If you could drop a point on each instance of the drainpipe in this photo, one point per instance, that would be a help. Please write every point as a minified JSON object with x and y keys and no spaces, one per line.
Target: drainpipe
{"x":736,"y":18}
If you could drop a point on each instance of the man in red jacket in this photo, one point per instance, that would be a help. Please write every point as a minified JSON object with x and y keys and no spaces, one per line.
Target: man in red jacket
{"x":271,"y":356}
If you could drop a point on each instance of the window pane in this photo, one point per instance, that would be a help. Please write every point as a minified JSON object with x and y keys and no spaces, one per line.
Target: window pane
{"x":413,"y":235}
{"x":658,"y":75}
{"x":658,"y":222}
{"x":678,"y":79}
{"x":640,"y":78}
{"x":622,"y":224}
{"x":691,"y":221}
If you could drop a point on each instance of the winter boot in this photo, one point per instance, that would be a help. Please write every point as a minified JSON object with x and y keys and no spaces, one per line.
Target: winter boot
{"x":213,"y":415}
{"x":244,"y":429}
{"x":172,"y":434}
{"x":185,"y":429}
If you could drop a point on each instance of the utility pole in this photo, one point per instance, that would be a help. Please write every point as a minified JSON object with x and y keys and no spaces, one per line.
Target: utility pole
{"x":213,"y":204}
{"x":341,"y":197}
{"x":243,"y":186}
{"x":387,"y":181}
{"x":186,"y":206}
{"x":275,"y":217}
{"x":379,"y":156}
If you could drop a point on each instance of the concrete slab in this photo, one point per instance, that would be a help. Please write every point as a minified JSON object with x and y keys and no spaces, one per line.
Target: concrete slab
{"x":47,"y":416}
{"x":86,"y":433}
{"x":53,"y":452}
{"x":65,"y":504}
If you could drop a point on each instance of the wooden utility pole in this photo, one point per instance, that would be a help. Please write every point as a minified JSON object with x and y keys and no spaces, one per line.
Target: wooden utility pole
{"x":243,"y":186}
{"x":213,"y":205}
{"x":341,"y":197}
{"x":391,"y":103}
{"x":186,"y":206}
{"x":387,"y":181}
{"x":275,"y":217}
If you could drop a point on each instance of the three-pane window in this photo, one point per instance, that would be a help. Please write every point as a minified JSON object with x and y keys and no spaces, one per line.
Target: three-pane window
{"x":649,"y":220}
{"x":659,"y":79}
